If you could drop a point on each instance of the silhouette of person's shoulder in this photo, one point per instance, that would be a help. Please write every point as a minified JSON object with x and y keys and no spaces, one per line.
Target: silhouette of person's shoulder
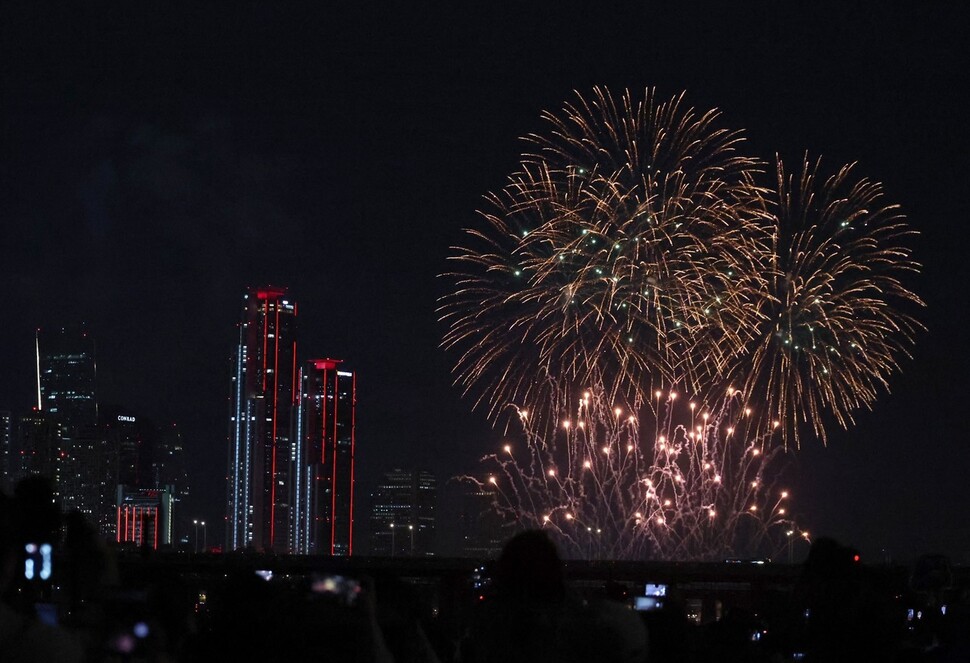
{"x":617,"y":632}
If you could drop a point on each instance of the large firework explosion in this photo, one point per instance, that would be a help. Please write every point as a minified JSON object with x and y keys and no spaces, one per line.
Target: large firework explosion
{"x":833,"y":318}
{"x":637,"y":248}
{"x":631,"y":236}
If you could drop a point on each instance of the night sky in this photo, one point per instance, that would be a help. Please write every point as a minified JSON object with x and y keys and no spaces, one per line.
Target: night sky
{"x":157,"y":160}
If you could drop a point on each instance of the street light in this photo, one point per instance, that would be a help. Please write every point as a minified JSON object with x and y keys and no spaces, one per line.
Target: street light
{"x":791,"y":537}
{"x":205,"y":543}
{"x":196,"y":523}
{"x":411,"y":527}
{"x":392,"y":539}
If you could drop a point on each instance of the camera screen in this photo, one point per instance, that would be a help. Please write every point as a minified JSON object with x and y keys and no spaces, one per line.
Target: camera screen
{"x":648,"y":603}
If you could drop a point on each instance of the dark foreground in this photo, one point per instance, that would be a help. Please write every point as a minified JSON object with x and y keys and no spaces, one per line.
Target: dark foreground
{"x":526,"y":606}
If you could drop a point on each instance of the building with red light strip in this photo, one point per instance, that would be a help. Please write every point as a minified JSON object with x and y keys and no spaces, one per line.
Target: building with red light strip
{"x":144,"y":517}
{"x":324,"y":496}
{"x":261,"y":453}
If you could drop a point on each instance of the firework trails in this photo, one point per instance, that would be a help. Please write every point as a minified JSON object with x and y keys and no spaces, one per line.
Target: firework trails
{"x":831,"y":321}
{"x":701,"y":484}
{"x":637,"y":248}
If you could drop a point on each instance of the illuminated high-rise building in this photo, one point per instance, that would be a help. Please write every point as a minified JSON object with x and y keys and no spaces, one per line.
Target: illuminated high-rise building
{"x":66,"y":372}
{"x":402,"y":516}
{"x":38,"y":446}
{"x":168,"y":462}
{"x":7,"y":468}
{"x":264,"y":393}
{"x":481,"y":529}
{"x":324,"y":482}
{"x":143,"y":517}
{"x":66,"y":375}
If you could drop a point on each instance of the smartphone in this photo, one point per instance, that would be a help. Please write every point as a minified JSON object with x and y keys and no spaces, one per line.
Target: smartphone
{"x":647,"y":603}
{"x":341,"y":587}
{"x":653,"y":598}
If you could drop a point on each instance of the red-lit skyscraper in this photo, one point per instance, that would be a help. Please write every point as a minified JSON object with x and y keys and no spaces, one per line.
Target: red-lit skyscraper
{"x":264,"y":393}
{"x":324,"y":495}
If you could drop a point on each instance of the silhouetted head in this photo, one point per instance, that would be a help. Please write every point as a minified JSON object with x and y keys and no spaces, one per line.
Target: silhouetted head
{"x":38,"y":512}
{"x":828,"y":556}
{"x":530,"y":567}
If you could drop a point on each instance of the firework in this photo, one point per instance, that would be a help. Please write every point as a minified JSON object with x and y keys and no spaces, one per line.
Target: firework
{"x":634,"y":241}
{"x":682,"y":481}
{"x":636,"y":246}
{"x":834,"y":320}
{"x":629,"y":241}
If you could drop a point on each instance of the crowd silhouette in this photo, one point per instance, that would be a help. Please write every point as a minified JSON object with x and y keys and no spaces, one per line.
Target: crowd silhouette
{"x":74,"y":602}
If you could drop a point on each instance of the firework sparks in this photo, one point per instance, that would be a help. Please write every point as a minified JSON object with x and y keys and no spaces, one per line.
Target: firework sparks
{"x":608,"y":487}
{"x":634,"y":241}
{"x":634,"y":247}
{"x":834,"y":321}
{"x":628,"y":238}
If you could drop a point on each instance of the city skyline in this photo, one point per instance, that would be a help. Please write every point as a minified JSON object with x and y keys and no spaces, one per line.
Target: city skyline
{"x":153,"y":173}
{"x":118,"y":470}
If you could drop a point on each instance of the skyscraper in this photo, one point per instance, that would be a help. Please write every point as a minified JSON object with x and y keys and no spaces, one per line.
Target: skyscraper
{"x":144,"y":516}
{"x":38,"y":447}
{"x":403,"y":514}
{"x":324,"y":489}
{"x":7,"y":468}
{"x":66,"y":375}
{"x":168,"y":463}
{"x":66,"y":372}
{"x":481,"y":529}
{"x":264,"y":393}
